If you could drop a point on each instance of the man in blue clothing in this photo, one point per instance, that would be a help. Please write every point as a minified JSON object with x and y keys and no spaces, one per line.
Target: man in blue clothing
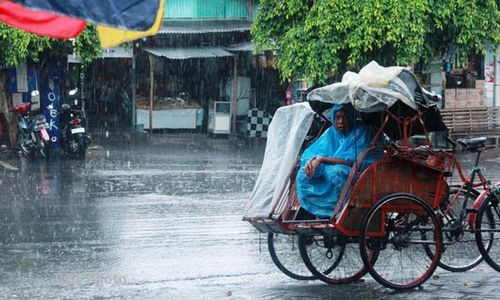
{"x":325,"y":165}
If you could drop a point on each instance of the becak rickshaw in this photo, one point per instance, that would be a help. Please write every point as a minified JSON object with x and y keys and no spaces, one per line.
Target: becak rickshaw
{"x":384,"y":221}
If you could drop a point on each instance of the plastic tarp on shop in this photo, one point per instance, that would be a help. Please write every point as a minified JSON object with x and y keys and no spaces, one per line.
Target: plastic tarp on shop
{"x":373,"y":89}
{"x":286,"y":134}
{"x":40,"y":22}
{"x":242,"y":94}
{"x":126,"y":14}
{"x":117,"y":21}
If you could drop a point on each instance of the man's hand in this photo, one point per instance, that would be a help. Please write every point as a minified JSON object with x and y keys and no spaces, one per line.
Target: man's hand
{"x":311,"y":166}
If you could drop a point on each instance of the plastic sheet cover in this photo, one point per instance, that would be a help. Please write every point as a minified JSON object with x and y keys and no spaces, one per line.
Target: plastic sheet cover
{"x":286,"y":134}
{"x":373,"y":89}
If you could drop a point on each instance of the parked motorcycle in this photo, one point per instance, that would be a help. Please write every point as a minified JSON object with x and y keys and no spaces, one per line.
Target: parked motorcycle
{"x":74,"y":139}
{"x":32,"y":127}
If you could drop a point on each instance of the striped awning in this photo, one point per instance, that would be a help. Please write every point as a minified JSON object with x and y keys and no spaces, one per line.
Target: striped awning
{"x":188,"y":53}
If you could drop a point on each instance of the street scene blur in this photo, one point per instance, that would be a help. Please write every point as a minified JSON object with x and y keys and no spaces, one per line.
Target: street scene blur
{"x":242,"y":149}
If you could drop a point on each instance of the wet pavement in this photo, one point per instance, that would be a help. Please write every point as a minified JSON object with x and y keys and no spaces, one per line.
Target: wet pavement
{"x":161,"y":219}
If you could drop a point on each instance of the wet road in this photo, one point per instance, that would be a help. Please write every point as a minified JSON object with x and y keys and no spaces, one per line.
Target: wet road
{"x":160,"y":221}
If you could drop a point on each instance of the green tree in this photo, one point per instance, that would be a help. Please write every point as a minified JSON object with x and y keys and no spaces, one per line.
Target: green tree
{"x":317,"y":39}
{"x":17,"y":45}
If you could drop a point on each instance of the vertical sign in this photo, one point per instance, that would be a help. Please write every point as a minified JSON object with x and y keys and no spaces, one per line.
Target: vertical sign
{"x":51,"y":103}
{"x":82,"y":92}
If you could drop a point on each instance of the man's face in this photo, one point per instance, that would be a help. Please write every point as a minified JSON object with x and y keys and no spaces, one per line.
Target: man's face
{"x":341,"y":121}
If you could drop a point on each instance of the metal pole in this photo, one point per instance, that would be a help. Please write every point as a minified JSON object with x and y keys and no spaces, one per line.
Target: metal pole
{"x":496,"y":84}
{"x":234,"y":103}
{"x":151,"y":92}
{"x":134,"y":85}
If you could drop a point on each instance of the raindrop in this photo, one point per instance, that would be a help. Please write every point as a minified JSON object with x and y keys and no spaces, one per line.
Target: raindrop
{"x":107,"y":153}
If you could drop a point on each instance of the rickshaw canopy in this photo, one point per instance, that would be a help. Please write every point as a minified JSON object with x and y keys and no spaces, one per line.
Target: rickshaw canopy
{"x":375,"y":90}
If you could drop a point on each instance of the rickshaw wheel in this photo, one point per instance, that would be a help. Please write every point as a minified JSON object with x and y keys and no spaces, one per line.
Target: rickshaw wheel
{"x":284,"y":252}
{"x":460,"y":251}
{"x":331,"y":258}
{"x":393,"y":227}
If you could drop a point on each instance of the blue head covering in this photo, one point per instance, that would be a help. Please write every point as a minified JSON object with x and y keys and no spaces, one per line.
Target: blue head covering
{"x":333,"y":143}
{"x":350,"y":114}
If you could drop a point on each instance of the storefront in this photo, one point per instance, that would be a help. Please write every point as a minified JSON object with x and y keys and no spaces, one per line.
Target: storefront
{"x":470,"y":81}
{"x":105,"y":87}
{"x":181,"y":87}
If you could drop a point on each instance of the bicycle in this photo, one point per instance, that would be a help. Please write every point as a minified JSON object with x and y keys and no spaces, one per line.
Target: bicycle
{"x":464,"y":243}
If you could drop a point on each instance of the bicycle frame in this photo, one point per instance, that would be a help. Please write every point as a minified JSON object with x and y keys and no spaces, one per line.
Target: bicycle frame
{"x":468,"y":185}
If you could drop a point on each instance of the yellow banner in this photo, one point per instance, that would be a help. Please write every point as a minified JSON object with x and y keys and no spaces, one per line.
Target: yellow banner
{"x":111,"y":37}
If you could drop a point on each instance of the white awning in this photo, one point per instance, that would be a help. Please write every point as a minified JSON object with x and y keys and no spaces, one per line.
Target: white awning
{"x":241,"y":47}
{"x":187,"y":53}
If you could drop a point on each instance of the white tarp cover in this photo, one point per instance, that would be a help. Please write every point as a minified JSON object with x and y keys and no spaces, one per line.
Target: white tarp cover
{"x":242,"y":94}
{"x":286,"y":134}
{"x":373,"y":89}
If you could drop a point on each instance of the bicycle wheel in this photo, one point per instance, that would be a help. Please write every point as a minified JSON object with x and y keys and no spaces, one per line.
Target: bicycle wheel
{"x":488,"y":231}
{"x":284,"y":252}
{"x":460,"y":252}
{"x":331,"y":258}
{"x":393,"y":228}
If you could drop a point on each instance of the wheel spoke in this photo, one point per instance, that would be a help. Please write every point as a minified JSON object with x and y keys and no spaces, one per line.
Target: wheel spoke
{"x":332,"y":259}
{"x":460,"y":252}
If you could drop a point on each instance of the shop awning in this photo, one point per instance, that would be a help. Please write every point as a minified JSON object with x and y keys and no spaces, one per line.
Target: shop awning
{"x":204,"y":26}
{"x":241,"y":47}
{"x":187,"y":53}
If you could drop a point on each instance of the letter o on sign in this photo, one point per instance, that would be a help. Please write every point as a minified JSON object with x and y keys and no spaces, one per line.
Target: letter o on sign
{"x":51,"y":96}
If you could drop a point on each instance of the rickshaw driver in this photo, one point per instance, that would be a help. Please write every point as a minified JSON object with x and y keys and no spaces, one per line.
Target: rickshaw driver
{"x":326,"y":164}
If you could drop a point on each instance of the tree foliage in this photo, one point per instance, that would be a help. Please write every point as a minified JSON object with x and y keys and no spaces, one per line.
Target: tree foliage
{"x":316,"y":39}
{"x":87,"y":46}
{"x":17,"y":45}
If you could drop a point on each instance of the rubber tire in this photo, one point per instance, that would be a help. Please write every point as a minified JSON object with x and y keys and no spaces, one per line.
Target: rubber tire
{"x":485,"y":249}
{"x":44,"y":150}
{"x":21,"y":142}
{"x":281,"y":266}
{"x":363,"y":242}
